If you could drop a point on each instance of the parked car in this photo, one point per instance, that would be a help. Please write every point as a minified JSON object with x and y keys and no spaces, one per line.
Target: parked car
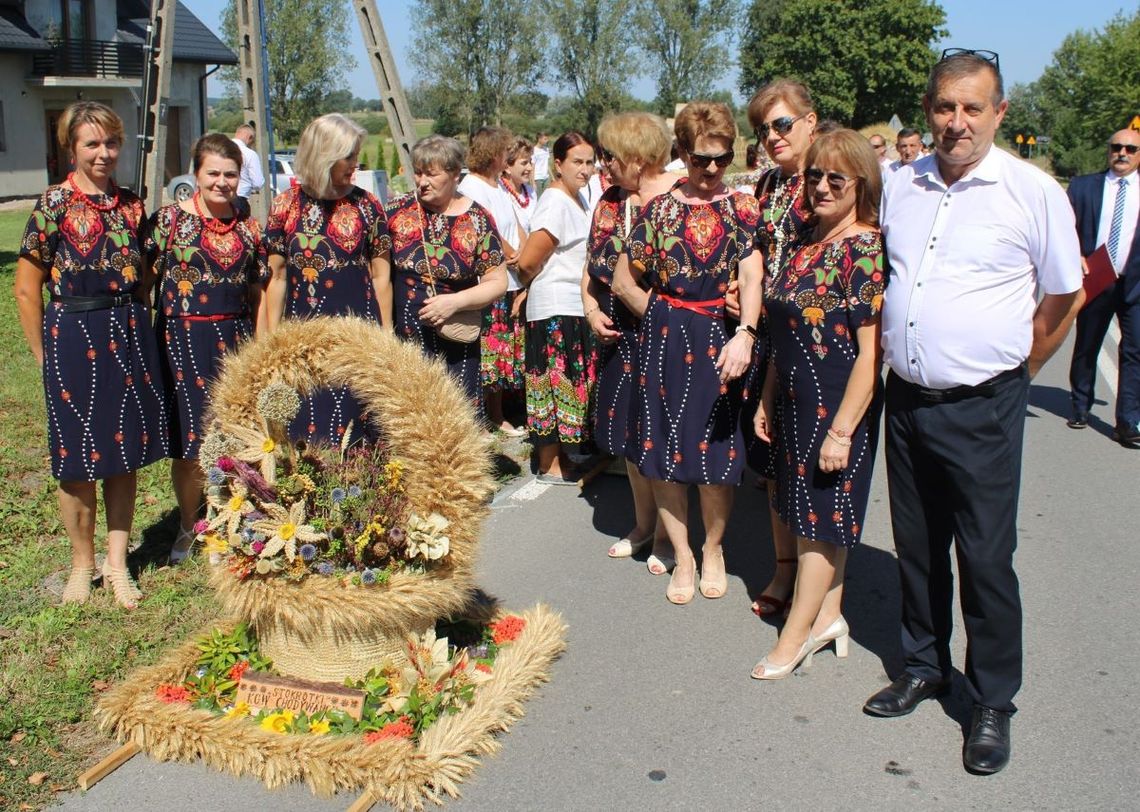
{"x":182,"y":187}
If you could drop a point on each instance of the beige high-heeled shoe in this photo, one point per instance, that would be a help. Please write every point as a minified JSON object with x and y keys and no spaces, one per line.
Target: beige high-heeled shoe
{"x":78,"y":588}
{"x":126,"y":593}
{"x":681,"y":595}
{"x":837,"y":632}
{"x":628,"y":546}
{"x":780,"y":670}
{"x":713,"y":589}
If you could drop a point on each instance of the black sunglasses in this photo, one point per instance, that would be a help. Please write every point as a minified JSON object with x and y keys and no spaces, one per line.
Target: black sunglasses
{"x":989,"y":56}
{"x":1131,"y":149}
{"x":702,"y":161}
{"x":836,"y":181}
{"x":782,"y":125}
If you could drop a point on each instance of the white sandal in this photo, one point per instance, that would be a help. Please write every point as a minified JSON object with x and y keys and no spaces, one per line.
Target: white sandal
{"x":183,"y":546}
{"x":627,"y":547}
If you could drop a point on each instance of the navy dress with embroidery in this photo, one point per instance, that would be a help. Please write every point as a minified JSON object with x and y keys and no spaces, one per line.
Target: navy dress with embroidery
{"x":822,"y":295}
{"x":328,"y":246}
{"x":464,"y":247}
{"x":102,"y":384}
{"x":203,"y":305}
{"x":687,"y":424}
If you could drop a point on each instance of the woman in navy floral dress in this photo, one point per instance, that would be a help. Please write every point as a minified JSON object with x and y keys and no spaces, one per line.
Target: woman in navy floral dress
{"x":445,"y":258}
{"x":204,"y":253}
{"x":325,"y":245}
{"x":782,"y":114}
{"x":821,"y":403}
{"x":94,"y":341}
{"x":635,"y":147}
{"x":691,"y":243}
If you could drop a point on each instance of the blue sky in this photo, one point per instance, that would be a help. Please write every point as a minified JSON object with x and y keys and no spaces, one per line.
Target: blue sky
{"x":1025,"y":34}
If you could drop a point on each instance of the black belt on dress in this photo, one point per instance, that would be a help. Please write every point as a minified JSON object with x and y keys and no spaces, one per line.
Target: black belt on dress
{"x":82,"y":304}
{"x":985,"y":389}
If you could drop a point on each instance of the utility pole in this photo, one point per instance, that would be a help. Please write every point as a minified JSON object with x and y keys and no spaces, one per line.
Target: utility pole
{"x":388,"y":81}
{"x":254,"y":105}
{"x":151,"y":162}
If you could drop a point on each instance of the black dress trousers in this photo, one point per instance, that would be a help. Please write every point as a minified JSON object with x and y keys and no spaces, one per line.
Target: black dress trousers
{"x":954,"y":473}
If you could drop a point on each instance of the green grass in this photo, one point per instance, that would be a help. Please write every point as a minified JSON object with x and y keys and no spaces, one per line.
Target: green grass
{"x":55,"y":660}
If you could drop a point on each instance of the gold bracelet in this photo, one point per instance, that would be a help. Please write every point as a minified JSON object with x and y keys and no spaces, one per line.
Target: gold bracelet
{"x":839,"y":440}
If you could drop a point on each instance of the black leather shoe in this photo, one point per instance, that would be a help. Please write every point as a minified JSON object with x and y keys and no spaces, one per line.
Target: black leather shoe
{"x":903,"y":695}
{"x":1126,"y":436}
{"x":1078,"y":421}
{"x":987,"y":748}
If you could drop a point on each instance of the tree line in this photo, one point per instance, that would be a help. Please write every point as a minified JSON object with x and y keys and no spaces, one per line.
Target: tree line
{"x":562,"y":64}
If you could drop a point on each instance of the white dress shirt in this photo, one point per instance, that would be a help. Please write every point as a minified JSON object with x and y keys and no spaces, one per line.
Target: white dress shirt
{"x":966,"y":263}
{"x":251,"y":178}
{"x":557,"y":289}
{"x":1131,"y":212}
{"x":541,"y":160}
{"x":498,"y":204}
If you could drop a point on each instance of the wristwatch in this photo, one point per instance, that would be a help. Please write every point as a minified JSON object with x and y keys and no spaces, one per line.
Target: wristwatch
{"x":748,"y":328}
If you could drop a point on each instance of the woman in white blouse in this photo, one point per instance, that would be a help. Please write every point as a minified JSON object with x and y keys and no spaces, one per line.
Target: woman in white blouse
{"x":560,"y":361}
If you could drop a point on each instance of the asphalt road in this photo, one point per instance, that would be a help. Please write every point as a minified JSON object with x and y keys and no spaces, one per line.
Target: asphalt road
{"x":651,"y":707}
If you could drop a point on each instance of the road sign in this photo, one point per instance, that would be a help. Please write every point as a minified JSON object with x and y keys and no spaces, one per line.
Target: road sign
{"x":1031,"y":140}
{"x":1020,"y":139}
{"x":895,"y":123}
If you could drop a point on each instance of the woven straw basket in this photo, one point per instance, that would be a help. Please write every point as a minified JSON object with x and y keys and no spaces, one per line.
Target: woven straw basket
{"x":319,"y":628}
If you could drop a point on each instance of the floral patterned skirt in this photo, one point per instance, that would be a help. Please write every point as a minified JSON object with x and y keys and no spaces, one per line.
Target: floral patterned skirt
{"x":502,"y":364}
{"x":560,"y":372}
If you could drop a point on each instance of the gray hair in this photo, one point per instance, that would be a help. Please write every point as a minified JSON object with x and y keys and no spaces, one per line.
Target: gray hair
{"x":440,"y":152}
{"x":960,"y":66}
{"x":325,"y":141}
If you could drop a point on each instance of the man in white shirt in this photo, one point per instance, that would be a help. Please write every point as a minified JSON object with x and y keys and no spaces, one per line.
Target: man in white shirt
{"x":1107,"y":206}
{"x":541,"y":161}
{"x":908,"y":144}
{"x":972,"y":234}
{"x":879,"y":144}
{"x":251,"y":178}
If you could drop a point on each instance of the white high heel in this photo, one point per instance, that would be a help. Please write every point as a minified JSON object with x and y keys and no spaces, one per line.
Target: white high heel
{"x":627,"y":547}
{"x":183,"y":546}
{"x":779,"y":671}
{"x":837,"y":631}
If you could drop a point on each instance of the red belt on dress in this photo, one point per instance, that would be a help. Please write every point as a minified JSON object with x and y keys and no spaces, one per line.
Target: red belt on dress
{"x":697,"y":307}
{"x":213,"y":316}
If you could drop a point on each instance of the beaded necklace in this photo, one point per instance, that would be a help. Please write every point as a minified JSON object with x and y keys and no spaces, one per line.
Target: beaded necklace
{"x":109,"y":206}
{"x":212,"y":222}
{"x":523,"y":200}
{"x":776,"y":212}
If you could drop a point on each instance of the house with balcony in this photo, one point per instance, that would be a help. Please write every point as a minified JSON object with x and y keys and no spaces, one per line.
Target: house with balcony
{"x":53,"y":52}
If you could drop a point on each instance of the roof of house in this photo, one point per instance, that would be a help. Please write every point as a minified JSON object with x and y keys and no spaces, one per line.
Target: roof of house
{"x":193,"y":41}
{"x":16,"y":34}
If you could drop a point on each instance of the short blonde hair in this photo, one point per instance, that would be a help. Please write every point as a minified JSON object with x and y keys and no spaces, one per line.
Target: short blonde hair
{"x":488,"y":145}
{"x":439,"y":152}
{"x":636,"y":137}
{"x":325,"y":141}
{"x":792,"y":93}
{"x":848,"y":151}
{"x":519,"y":146}
{"x":87,"y":112}
{"x":703,"y":119}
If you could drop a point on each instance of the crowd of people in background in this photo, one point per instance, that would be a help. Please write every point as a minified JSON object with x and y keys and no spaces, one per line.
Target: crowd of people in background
{"x":638,"y":306}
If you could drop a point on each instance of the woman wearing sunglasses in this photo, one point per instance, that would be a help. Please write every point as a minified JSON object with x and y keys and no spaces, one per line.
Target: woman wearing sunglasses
{"x":689,"y":244}
{"x":784,"y":119}
{"x":634,"y":148}
{"x":823,"y":303}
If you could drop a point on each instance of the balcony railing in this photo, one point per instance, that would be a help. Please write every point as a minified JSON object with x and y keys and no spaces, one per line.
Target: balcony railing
{"x":79,"y":57}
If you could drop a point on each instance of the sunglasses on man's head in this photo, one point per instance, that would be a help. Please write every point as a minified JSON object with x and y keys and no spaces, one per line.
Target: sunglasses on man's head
{"x":702,"y":161}
{"x":1131,"y":149}
{"x":989,"y":56}
{"x":782,"y":125}
{"x":836,"y":181}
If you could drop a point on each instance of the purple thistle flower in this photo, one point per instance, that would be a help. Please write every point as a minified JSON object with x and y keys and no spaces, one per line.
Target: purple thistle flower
{"x":354,"y":491}
{"x":368,"y":577}
{"x":338,"y":495}
{"x":325,"y":567}
{"x":215,"y":476}
{"x":308,"y":552}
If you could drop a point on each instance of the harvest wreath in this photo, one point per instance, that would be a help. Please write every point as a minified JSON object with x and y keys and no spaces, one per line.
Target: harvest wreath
{"x":351,"y":566}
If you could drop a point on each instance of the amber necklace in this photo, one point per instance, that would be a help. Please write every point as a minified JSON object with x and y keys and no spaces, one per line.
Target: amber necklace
{"x":524,"y":199}
{"x":212,"y":222}
{"x":109,"y":206}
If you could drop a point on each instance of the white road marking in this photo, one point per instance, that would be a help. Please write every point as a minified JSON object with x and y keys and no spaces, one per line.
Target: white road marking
{"x":530,"y":491}
{"x":1106,"y":360}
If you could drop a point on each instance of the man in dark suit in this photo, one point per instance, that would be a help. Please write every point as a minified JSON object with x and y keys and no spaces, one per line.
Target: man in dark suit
{"x":1107,"y":206}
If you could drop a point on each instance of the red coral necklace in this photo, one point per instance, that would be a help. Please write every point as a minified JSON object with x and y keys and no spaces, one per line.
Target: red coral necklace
{"x":212,"y":222}
{"x":523,"y":199}
{"x":108,"y":206}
